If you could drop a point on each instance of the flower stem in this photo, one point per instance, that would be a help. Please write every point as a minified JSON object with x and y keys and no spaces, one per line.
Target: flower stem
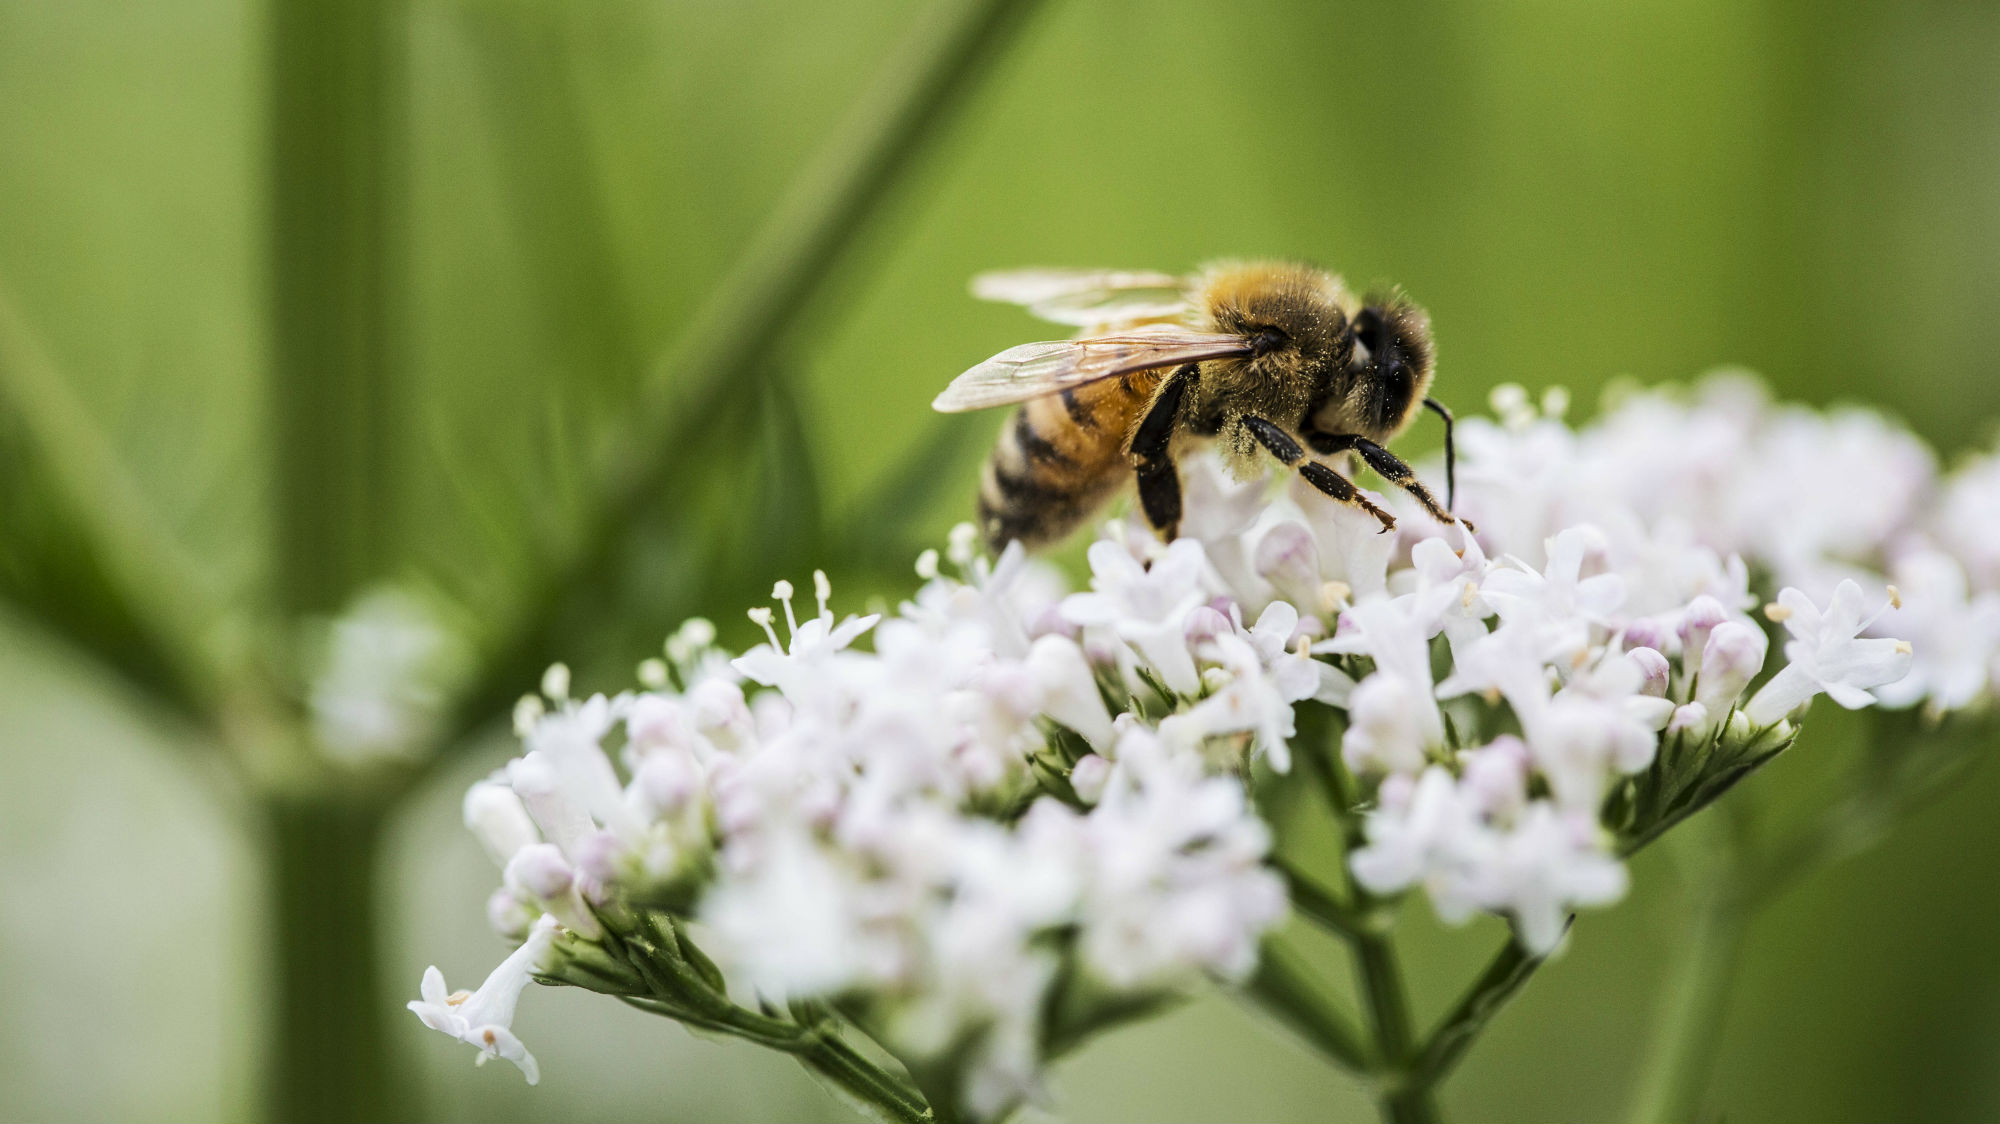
{"x":1406,"y":1096}
{"x":889,"y":1096}
{"x":1284,"y":988}
{"x":328,"y":1056}
{"x":1676,"y":1075}
{"x":726,"y":353}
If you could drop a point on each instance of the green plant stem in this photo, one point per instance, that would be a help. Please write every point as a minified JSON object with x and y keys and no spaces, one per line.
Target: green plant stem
{"x":832,"y":1058}
{"x":1454,"y":1034}
{"x":327,"y":1049}
{"x":1406,"y":1097}
{"x":337,"y":114}
{"x":1284,"y":987}
{"x":680,"y":990}
{"x":755,"y":312}
{"x":1687,"y":1035}
{"x":1908,"y":763}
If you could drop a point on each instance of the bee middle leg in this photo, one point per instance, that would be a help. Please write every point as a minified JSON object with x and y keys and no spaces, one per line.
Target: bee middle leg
{"x":1318,"y":475}
{"x":1159,"y":480}
{"x":1386,"y":464}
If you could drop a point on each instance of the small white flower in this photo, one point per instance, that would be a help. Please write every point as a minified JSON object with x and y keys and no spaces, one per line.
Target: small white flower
{"x":1560,"y":605}
{"x":796,"y":668}
{"x":485,"y":1018}
{"x":1827,"y":654}
{"x":1551,"y":863}
{"x":1446,"y":597}
{"x":1425,"y":832}
{"x":383,"y":673}
{"x":1146,"y":607}
{"x":1954,"y":634}
{"x":1385,"y":631}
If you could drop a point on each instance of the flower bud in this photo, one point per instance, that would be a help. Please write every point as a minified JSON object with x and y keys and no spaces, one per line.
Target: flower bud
{"x":1496,"y":776}
{"x":1697,"y":621}
{"x":1383,"y":735}
{"x":509,"y":916}
{"x":497,"y":818}
{"x":541,"y":871}
{"x":1731,"y":658}
{"x":1089,"y":776}
{"x":1288,"y":558}
{"x":657,"y":723}
{"x":563,"y":821}
{"x":1207,"y":623}
{"x":1069,"y":689}
{"x":1691,"y":718}
{"x":1654,"y":670}
{"x":1643,"y":633}
{"x":665,"y":783}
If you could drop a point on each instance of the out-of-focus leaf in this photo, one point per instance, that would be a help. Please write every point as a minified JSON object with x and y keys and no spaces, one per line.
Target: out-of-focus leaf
{"x":79,"y":554}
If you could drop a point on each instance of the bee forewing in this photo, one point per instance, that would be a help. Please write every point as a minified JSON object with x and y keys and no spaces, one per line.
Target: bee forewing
{"x":1036,"y":369}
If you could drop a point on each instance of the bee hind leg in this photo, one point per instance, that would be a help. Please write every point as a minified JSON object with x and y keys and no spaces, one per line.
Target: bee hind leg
{"x":1386,"y":464}
{"x":1318,"y":475}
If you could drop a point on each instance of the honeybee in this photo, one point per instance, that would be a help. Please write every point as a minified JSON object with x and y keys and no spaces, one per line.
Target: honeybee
{"x":1254,"y":357}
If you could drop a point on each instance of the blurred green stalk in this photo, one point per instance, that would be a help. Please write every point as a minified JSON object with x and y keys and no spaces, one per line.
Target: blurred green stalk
{"x":337,"y":121}
{"x":338,"y":95}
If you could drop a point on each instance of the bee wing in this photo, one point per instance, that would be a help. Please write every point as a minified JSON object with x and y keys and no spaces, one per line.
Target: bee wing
{"x":1082,"y":297}
{"x":1036,"y":369}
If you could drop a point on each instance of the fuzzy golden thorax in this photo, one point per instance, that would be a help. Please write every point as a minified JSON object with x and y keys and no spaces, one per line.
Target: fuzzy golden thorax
{"x":1301,"y":315}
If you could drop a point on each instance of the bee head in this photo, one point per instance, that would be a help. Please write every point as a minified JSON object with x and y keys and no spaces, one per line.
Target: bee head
{"x":1392,"y":362}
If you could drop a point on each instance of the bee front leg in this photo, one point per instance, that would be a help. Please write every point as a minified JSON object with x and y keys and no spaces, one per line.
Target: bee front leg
{"x":1152,"y":442}
{"x":1386,"y":464}
{"x":1318,"y":475}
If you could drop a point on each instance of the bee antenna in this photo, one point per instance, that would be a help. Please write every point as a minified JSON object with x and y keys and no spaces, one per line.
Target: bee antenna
{"x":1450,"y":453}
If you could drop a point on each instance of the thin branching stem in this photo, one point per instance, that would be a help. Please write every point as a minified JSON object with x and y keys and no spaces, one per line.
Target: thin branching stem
{"x":755,"y":313}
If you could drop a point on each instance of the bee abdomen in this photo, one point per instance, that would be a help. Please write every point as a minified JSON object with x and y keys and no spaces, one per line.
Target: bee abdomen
{"x":1055,"y":463}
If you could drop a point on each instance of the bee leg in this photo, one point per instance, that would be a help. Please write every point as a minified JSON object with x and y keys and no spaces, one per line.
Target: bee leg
{"x":1159,"y":480}
{"x":1386,"y":464}
{"x":1318,"y":475}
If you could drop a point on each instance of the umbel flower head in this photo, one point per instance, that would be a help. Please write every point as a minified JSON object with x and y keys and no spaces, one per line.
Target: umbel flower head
{"x":1011,"y":812}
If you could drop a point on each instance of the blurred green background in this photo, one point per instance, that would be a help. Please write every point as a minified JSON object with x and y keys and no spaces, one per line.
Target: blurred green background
{"x":521,"y":204}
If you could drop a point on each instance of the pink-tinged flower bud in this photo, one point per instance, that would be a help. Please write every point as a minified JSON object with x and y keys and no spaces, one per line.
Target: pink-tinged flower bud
{"x":657,"y":722}
{"x":1069,"y":689}
{"x":720,"y":712}
{"x":1653,"y":669}
{"x":1690,"y":718}
{"x":599,"y":862}
{"x":1697,"y":621}
{"x":1732,"y":657}
{"x":1496,"y":776}
{"x":1383,"y":734}
{"x":1089,"y":777}
{"x":665,"y":783}
{"x":1011,"y":687}
{"x":509,"y":916}
{"x":1207,"y":623}
{"x":542,"y":871}
{"x":1643,"y":633}
{"x":1288,"y":558}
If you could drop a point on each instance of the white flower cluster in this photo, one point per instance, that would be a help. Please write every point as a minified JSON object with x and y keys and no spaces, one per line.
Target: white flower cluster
{"x":1016,"y":801}
{"x":876,"y":826}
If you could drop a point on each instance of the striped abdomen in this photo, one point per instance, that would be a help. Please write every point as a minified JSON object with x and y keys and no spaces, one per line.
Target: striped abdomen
{"x":1059,"y":459}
